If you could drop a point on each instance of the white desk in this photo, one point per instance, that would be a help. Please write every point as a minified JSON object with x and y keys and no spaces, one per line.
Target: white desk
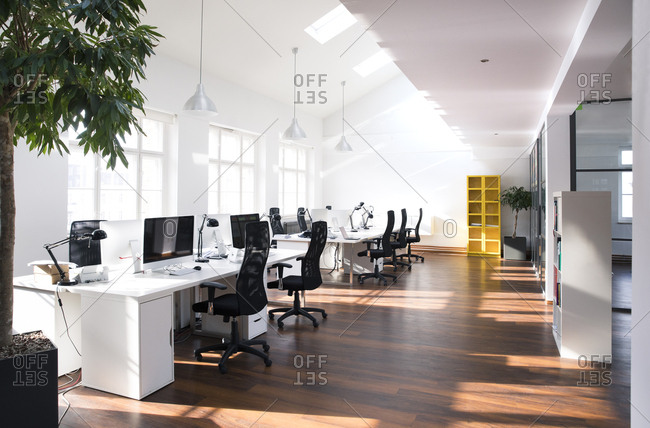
{"x":123,"y":328}
{"x":351,"y":262}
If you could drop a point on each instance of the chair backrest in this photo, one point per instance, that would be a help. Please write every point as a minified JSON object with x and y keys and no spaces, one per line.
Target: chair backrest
{"x":385,"y":240}
{"x":251,"y":296}
{"x":86,"y":252}
{"x":401,"y":237}
{"x":417,"y":227}
{"x":276,"y":221}
{"x":310,"y":269}
{"x":302,"y":223}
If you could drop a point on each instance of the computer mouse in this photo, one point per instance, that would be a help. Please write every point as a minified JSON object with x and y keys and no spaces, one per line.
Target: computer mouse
{"x":197,"y":267}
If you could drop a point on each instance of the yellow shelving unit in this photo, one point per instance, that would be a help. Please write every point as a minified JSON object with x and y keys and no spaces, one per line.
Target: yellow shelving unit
{"x":484,"y":215}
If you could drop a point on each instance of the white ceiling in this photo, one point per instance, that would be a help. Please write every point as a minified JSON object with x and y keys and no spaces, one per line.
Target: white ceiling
{"x":250,"y":42}
{"x":438,"y":45}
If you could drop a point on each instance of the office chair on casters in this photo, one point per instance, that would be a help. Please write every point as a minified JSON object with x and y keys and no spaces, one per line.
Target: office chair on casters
{"x":411,"y":239}
{"x":383,"y":249}
{"x":309,"y":279}
{"x":276,"y":224}
{"x":397,"y":244}
{"x":249,"y":298}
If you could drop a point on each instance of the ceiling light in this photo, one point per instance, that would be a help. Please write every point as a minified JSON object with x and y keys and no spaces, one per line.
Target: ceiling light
{"x":294,"y":131}
{"x":343,"y":145}
{"x":372,"y":64}
{"x":200,"y":104}
{"x":331,"y":24}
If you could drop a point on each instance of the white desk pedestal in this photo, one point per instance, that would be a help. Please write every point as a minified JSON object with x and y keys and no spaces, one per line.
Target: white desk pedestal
{"x":128,"y":345}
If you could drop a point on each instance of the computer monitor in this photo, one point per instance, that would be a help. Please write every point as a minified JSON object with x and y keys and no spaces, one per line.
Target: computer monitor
{"x":120,"y":234}
{"x":167,"y":240}
{"x":319,"y":214}
{"x":238,"y":228}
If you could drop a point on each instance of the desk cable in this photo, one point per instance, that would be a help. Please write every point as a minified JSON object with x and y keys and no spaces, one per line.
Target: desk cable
{"x":67,"y":329}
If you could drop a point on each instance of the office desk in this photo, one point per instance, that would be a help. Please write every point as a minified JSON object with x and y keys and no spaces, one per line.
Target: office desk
{"x":124,"y":327}
{"x":351,"y":262}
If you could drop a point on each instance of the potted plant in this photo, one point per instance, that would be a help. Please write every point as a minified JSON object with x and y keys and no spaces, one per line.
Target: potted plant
{"x":64,"y":65}
{"x":517,"y":198}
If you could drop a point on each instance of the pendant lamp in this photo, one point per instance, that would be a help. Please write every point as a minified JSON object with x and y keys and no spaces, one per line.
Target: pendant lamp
{"x":294,"y":131}
{"x":343,"y":145}
{"x":200,"y":104}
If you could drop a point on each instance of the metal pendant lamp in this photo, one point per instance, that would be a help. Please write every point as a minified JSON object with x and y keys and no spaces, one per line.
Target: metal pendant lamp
{"x":343,"y":145}
{"x":294,"y":131}
{"x":200,"y":104}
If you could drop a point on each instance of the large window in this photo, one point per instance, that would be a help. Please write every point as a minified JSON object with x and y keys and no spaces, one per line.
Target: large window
{"x":293,"y":179}
{"x":231,"y":175}
{"x":95,"y":192}
{"x":625,"y":199}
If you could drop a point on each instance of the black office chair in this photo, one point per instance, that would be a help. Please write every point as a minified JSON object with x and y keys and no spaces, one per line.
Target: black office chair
{"x":309,"y":279}
{"x":411,"y":239}
{"x":249,"y":297}
{"x":397,"y":244}
{"x":302,"y":223}
{"x":383,"y":249}
{"x":86,"y":252}
{"x":276,"y":224}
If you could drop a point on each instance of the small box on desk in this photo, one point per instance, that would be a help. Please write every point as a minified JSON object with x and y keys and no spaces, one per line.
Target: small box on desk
{"x":46,"y":273}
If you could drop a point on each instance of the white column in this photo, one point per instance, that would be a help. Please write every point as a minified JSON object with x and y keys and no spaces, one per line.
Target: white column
{"x":640,"y":386}
{"x":558,"y":178}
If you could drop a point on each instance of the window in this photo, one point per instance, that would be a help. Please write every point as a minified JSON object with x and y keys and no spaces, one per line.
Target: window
{"x":293,"y":177}
{"x":625,"y":200}
{"x":231,"y":174}
{"x":95,"y":192}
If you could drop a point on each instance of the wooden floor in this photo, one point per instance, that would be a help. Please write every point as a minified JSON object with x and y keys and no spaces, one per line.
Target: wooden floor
{"x":457,"y":341}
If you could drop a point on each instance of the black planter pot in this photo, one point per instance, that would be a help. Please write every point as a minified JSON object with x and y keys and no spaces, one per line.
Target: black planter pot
{"x":514,"y":248}
{"x":28,"y":387}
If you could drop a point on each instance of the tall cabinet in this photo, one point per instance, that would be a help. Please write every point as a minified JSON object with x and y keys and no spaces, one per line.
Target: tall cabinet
{"x":582,"y":271}
{"x":484,"y":215}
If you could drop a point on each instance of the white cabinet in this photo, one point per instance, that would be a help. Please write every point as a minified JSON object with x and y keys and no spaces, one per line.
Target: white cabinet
{"x":582,"y":271}
{"x":129,"y":345}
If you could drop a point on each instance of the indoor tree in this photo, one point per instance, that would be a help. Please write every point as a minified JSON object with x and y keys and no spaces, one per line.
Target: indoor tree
{"x":517,"y":198}
{"x":64,"y":64}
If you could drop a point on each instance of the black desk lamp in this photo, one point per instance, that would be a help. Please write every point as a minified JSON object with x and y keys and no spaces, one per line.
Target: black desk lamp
{"x":212,"y":222}
{"x":96,"y":235}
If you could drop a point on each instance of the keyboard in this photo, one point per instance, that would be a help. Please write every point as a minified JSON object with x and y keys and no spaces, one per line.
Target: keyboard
{"x":182,"y":271}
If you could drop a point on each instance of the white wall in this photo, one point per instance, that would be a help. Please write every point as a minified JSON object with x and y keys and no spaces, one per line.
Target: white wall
{"x":41,"y":183}
{"x":415,"y":161}
{"x":640,"y":375}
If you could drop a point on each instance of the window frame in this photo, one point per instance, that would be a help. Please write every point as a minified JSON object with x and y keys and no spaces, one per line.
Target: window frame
{"x":99,"y":166}
{"x":304,"y":174}
{"x":244,"y":153}
{"x":625,"y":168}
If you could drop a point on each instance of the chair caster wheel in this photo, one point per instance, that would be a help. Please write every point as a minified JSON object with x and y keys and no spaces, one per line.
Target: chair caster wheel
{"x":268,"y":362}
{"x":280,"y":324}
{"x":223,"y":369}
{"x":266,"y":348}
{"x":385,"y":282}
{"x":324,"y":315}
{"x":409,"y":267}
{"x":198,"y":357}
{"x":361,"y":281}
{"x":315,"y":323}
{"x":271,"y":316}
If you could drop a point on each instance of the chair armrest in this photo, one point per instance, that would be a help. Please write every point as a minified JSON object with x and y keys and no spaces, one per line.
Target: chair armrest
{"x":281,"y":266}
{"x":212,"y":284}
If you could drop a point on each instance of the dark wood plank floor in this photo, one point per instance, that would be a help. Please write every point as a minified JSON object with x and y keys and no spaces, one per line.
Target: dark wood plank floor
{"x":457,"y":341}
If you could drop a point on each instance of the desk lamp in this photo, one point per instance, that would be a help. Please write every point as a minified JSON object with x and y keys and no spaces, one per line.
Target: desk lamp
{"x":358,"y":207}
{"x":367,"y":215}
{"x":96,"y":235}
{"x":211,"y":222}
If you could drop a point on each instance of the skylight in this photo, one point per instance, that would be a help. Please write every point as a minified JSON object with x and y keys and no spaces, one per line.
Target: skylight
{"x":331,"y":24}
{"x":372,"y":64}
